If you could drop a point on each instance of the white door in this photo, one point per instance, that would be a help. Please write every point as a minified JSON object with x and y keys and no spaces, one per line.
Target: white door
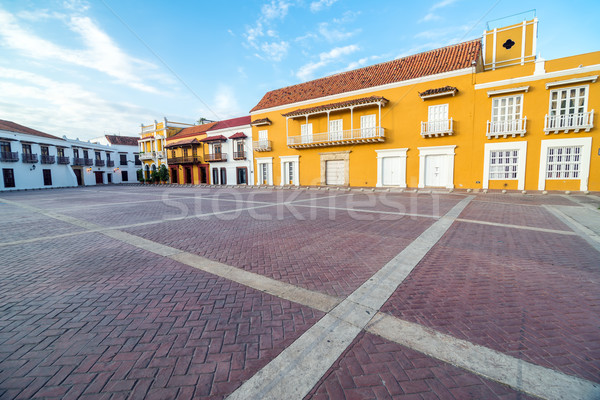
{"x":336,"y":129}
{"x":435,"y":173}
{"x":334,"y":172}
{"x":306,"y":133}
{"x":368,"y":126}
{"x":288,"y":173}
{"x":391,"y":171}
{"x":438,"y":118}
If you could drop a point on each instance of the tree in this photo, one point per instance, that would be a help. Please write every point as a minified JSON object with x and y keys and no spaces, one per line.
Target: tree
{"x":163,"y":173}
{"x":140,"y":175}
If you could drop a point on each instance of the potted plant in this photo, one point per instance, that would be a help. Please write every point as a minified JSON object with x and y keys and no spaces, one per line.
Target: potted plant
{"x":140,"y":175}
{"x":163,"y":174}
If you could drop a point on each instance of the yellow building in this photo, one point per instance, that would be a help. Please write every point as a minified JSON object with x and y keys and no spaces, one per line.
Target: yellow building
{"x":153,"y":141}
{"x":186,"y":156}
{"x":481,"y":114}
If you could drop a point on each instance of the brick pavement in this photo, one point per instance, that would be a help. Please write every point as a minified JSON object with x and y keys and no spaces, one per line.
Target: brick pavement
{"x":532,"y":295}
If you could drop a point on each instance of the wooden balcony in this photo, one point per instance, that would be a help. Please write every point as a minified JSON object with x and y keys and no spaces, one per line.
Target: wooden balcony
{"x":511,"y":127}
{"x":184,"y":160}
{"x":78,"y":161}
{"x":110,"y":163}
{"x":9,"y":156}
{"x":349,"y":136}
{"x":30,"y":158}
{"x":88,"y":161}
{"x":46,"y":159}
{"x":569,"y":122}
{"x":216,"y":157}
{"x":239,"y":155}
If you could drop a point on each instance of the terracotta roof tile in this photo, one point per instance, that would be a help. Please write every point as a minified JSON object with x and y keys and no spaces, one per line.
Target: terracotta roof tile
{"x":335,"y":106}
{"x":231,"y":123}
{"x":432,"y":62}
{"x":14,"y":127}
{"x":182,"y":142}
{"x":122,"y":140}
{"x":238,"y":135}
{"x":192,"y":130}
{"x":217,"y":138}
{"x":261,"y":121}
{"x":445,"y":89}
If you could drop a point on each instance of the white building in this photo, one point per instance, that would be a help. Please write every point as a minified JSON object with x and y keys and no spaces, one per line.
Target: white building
{"x":92,"y":163}
{"x":230,"y":152}
{"x":128,"y":160}
{"x":31,"y":159}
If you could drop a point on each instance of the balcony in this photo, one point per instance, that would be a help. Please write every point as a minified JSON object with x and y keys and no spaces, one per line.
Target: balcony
{"x":350,"y":136}
{"x":569,"y":122}
{"x":9,"y":156}
{"x":184,"y":160}
{"x":147,"y":156}
{"x":78,"y":161}
{"x":62,"y":160}
{"x":437,"y":128}
{"x":215,"y":157}
{"x":511,"y":127}
{"x":46,"y":159}
{"x":261,"y":145}
{"x":100,"y":163}
{"x":239,"y":155}
{"x":88,"y":161}
{"x":30,"y":158}
{"x":161,"y":154}
{"x":110,"y":163}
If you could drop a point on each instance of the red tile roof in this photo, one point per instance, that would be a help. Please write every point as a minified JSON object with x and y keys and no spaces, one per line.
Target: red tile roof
{"x":122,"y":140}
{"x":182,"y":142}
{"x":432,"y":62}
{"x":231,"y":123}
{"x":192,"y":130}
{"x":238,"y":135}
{"x":13,"y":127}
{"x":445,"y":89}
{"x":218,"y":138}
{"x":261,"y":121}
{"x":336,"y":106}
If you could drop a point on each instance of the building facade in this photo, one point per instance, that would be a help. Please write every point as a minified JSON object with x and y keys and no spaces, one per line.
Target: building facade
{"x":186,"y":155}
{"x":483,"y":114}
{"x":127,"y":152}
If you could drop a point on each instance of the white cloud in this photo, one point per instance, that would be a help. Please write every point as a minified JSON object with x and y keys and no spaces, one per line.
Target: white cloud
{"x":275,"y":9}
{"x":430,"y":16}
{"x":306,"y":71}
{"x":268,"y":50}
{"x":225,"y":104}
{"x":317,"y":6}
{"x":275,"y":50}
{"x":334,"y":34}
{"x":442,"y":4}
{"x":100,"y":52}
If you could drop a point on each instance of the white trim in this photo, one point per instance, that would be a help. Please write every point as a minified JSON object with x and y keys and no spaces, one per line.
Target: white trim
{"x":381,"y":154}
{"x":584,"y":170}
{"x":443,"y":75}
{"x":216,"y":132}
{"x":509,"y":90}
{"x":269,"y":162}
{"x":447,"y":151}
{"x":592,"y":78}
{"x":520,"y":146}
{"x":296,"y":161}
{"x":548,"y":75}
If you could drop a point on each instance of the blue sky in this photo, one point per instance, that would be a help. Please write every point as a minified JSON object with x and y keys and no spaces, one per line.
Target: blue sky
{"x":87,"y":68}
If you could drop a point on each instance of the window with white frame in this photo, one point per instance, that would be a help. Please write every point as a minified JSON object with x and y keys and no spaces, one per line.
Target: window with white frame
{"x":563,"y":162}
{"x":568,"y":101}
{"x":437,"y":118}
{"x":504,"y":164}
{"x":263,"y":135}
{"x":507,"y":108}
{"x":306,"y":133}
{"x":264,"y":168}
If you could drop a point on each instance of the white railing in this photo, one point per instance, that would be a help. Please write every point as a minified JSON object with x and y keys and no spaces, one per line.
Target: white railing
{"x":512,"y":127}
{"x":437,"y":128}
{"x":261,"y":145}
{"x":362,"y":135}
{"x":147,"y":155}
{"x":161,"y":154}
{"x":569,"y":122}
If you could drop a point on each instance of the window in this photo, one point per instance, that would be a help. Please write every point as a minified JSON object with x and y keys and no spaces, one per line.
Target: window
{"x":264,"y":169}
{"x":47,"y":177}
{"x":5,"y":147}
{"x":223,"y":176}
{"x":437,"y":118}
{"x":107,"y":156}
{"x":44,"y":151}
{"x":60,"y":152}
{"x":194,"y":151}
{"x":239,"y":146}
{"x":85,"y":154}
{"x":185,"y":152}
{"x":137,"y":159}
{"x":76,"y":153}
{"x":173,"y":153}
{"x":9,"y":177}
{"x":568,"y":101}
{"x":26,"y":148}
{"x":368,"y":125}
{"x":563,"y":162}
{"x":216,"y":148}
{"x":504,"y":164}
{"x":123,"y":159}
{"x":97,"y":154}
{"x":336,"y":129}
{"x":264,"y":174}
{"x":507,"y":108}
{"x":306,"y":133}
{"x":263,"y":135}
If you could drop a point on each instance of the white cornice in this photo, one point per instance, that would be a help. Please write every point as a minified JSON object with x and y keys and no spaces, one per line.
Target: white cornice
{"x":529,"y":78}
{"x":592,"y":79}
{"x":509,"y":90}
{"x":451,"y":74}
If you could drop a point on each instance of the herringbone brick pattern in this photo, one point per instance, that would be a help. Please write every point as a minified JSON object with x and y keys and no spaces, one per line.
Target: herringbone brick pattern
{"x":328,"y":251}
{"x":512,"y":214}
{"x":88,"y":316}
{"x":532,"y":295}
{"x":516,"y":198}
{"x":374,"y":368}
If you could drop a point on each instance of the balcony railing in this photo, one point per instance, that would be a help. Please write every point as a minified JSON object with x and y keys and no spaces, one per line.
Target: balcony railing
{"x":147,"y":156}
{"x":511,"y":127}
{"x":30,"y":158}
{"x":350,"y":136}
{"x":110,"y":163}
{"x":100,"y":163}
{"x":88,"y":161}
{"x":214,"y":157}
{"x":261,"y":145}
{"x":62,"y":160}
{"x":184,"y":160}
{"x":46,"y":159}
{"x":437,"y":128}
{"x":10,"y":156}
{"x":569,"y":122}
{"x":161,"y":154}
{"x":239,"y":155}
{"x":78,"y":161}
